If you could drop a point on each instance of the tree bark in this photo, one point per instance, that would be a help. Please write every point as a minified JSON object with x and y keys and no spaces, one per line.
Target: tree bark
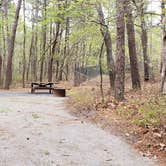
{"x":163,"y":27}
{"x":66,"y":47}
{"x":144,"y":38}
{"x":163,"y":58}
{"x":24,"y":43}
{"x":135,"y":76}
{"x":144,"y":41}
{"x":11,"y":47}
{"x":31,"y":50}
{"x":0,"y":69}
{"x":163,"y":70}
{"x":44,"y":44}
{"x":108,"y":43}
{"x":33,"y":55}
{"x":50,"y":63}
{"x":30,"y":56}
{"x":34,"y":61}
{"x":4,"y":55}
{"x":5,"y":37}
{"x":101,"y":72}
{"x":120,"y":51}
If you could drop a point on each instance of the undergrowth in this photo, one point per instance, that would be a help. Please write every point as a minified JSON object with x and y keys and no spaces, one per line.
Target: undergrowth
{"x":145,"y":112}
{"x":141,"y":116}
{"x":141,"y":109}
{"x":83,"y":99}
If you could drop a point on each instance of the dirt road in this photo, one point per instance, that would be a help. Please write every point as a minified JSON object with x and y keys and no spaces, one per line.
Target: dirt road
{"x":36,"y":130}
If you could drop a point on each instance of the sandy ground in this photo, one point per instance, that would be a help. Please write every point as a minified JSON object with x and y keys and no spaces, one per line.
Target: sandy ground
{"x":37,"y":130}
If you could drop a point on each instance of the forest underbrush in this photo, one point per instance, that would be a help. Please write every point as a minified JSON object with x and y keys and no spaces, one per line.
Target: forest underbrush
{"x":140,"y":118}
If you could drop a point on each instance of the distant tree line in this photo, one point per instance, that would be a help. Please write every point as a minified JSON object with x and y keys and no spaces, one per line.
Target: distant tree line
{"x":48,"y":40}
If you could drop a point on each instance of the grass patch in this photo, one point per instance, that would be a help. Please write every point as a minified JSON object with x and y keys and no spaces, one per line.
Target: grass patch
{"x":35,"y":116}
{"x":149,"y":112}
{"x":46,"y":152}
{"x":84,"y":98}
{"x":71,"y":92}
{"x":4,"y":110}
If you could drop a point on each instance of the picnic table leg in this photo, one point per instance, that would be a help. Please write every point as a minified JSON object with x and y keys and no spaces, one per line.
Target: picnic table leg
{"x":50,"y":90}
{"x":32,"y":90}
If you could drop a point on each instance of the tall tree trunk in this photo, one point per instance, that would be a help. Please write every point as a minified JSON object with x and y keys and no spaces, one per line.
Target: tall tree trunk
{"x":144,"y":41}
{"x":62,"y":59}
{"x":30,"y":57}
{"x":44,"y":44}
{"x":30,"y":53}
{"x":0,"y":69}
{"x":50,"y":57}
{"x":6,"y":12}
{"x":141,"y":8}
{"x":35,"y":57}
{"x":66,"y":47}
{"x":108,"y":43}
{"x":57,"y":69}
{"x":5,"y":37}
{"x":163,"y":58}
{"x":4,"y":55}
{"x":163,"y":69}
{"x":136,"y":84}
{"x":1,"y":53}
{"x":50,"y":63}
{"x":163,"y":27}
{"x":101,"y":72}
{"x":120,"y":51}
{"x":11,"y":47}
{"x":24,"y":43}
{"x":34,"y":44}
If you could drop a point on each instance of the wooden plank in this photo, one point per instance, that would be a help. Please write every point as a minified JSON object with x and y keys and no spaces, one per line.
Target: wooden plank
{"x":59,"y":92}
{"x":44,"y":86}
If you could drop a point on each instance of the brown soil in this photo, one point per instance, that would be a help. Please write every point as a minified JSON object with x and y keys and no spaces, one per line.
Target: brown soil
{"x":150,"y":140}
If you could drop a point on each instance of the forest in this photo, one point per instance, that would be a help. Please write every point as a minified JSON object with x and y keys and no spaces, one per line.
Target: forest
{"x":109,"y":55}
{"x":52,"y":40}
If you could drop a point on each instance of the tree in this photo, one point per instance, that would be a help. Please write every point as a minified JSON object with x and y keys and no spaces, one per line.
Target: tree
{"x":62,"y":38}
{"x":141,"y":9}
{"x":0,"y":69}
{"x":11,"y":43}
{"x":55,"y":42}
{"x":108,"y":43}
{"x":144,"y":40}
{"x":24,"y":45}
{"x":120,"y":51}
{"x":163,"y":67}
{"x":66,"y":45}
{"x":101,"y":72}
{"x":43,"y":41}
{"x":136,"y":84}
{"x":30,"y":53}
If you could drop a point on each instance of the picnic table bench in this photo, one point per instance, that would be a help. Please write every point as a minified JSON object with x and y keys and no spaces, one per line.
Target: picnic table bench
{"x":60,"y":92}
{"x":42,"y":86}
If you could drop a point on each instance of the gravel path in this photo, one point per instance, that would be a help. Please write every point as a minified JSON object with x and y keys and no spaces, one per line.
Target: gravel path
{"x":36,"y":130}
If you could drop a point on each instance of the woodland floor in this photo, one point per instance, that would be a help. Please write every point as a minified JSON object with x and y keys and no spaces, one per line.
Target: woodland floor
{"x":37,"y":130}
{"x":140,"y":119}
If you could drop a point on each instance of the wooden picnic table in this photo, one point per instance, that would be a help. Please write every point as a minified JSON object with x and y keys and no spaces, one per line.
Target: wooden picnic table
{"x":42,"y":86}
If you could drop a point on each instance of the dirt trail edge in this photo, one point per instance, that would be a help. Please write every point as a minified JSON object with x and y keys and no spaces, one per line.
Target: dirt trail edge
{"x":37,"y":130}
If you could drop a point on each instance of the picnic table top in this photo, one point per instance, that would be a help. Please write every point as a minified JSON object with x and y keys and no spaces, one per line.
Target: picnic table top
{"x":44,"y":83}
